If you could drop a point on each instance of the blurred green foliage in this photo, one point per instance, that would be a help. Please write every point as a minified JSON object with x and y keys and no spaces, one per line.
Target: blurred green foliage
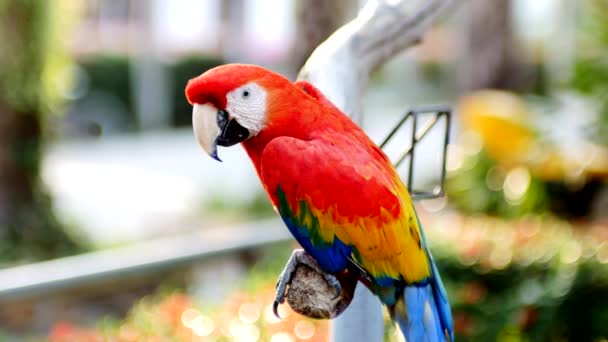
{"x":182,"y":71}
{"x":591,"y":68}
{"x":476,"y":187}
{"x":245,"y":209}
{"x":111,"y":75}
{"x":38,"y":234}
{"x":24,"y":36}
{"x":479,"y":186}
{"x":541,"y":302}
{"x":30,"y":70}
{"x":527,"y":280}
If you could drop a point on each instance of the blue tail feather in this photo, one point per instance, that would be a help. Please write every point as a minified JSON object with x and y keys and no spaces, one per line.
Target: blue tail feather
{"x":441,"y":300}
{"x":423,"y":312}
{"x":417,"y":315}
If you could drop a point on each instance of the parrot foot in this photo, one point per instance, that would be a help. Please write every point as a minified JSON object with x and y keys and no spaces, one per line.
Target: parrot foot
{"x":299,"y":256}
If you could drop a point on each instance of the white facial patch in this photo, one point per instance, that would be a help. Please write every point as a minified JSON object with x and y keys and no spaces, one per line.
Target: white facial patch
{"x":247,"y":105}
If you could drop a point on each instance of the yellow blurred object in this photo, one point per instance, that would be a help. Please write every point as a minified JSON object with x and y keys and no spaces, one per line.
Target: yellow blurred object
{"x":500,"y":123}
{"x":593,"y":161}
{"x":501,"y":120}
{"x":549,"y":165}
{"x":57,"y":74}
{"x":590,"y":163}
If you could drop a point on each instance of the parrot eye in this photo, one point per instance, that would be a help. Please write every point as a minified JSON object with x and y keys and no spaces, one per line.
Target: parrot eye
{"x":247,"y":105}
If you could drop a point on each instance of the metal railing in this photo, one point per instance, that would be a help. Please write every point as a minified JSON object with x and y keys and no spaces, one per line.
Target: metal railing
{"x":41,"y":278}
{"x":438,"y":113}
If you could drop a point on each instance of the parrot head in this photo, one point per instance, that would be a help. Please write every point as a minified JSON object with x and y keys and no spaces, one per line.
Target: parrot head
{"x":230,"y":104}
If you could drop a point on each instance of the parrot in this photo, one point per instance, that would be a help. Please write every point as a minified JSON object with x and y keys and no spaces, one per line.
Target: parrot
{"x":336,"y":191}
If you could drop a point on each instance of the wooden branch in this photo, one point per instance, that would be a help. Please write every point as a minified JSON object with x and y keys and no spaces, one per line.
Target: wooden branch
{"x":340,"y":67}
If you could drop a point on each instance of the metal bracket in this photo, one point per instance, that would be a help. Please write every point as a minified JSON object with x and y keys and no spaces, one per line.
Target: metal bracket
{"x":438,"y":113}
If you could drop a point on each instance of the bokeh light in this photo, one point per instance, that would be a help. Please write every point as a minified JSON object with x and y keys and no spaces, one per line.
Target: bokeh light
{"x":282,"y":337}
{"x":202,"y":326}
{"x":516,"y":184}
{"x":249,"y":313}
{"x":304,"y":330}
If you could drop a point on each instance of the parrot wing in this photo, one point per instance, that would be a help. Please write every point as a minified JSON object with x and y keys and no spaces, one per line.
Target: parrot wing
{"x":344,"y":201}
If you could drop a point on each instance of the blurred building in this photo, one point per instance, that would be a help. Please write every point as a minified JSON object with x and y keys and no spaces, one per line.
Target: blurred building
{"x":238,"y":29}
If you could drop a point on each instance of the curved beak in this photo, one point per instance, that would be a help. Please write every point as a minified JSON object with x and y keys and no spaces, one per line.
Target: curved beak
{"x":214,"y":127}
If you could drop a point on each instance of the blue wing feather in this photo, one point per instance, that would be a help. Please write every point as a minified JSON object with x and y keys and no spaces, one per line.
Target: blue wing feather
{"x":331,"y":257}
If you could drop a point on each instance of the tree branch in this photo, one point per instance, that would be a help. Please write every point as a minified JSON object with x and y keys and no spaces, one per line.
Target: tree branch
{"x":341,"y":65}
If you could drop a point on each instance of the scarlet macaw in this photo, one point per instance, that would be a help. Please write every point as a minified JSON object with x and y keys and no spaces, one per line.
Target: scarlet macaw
{"x":336,"y":191}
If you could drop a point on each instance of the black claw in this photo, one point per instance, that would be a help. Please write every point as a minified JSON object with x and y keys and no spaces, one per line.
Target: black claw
{"x":338,"y":289}
{"x":275,"y":309}
{"x":338,"y":293}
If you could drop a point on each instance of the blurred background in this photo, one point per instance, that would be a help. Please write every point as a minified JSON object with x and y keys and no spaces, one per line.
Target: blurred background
{"x":115,"y":225}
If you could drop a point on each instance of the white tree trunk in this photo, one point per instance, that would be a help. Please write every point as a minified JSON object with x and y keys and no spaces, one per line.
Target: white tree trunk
{"x":340,"y":68}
